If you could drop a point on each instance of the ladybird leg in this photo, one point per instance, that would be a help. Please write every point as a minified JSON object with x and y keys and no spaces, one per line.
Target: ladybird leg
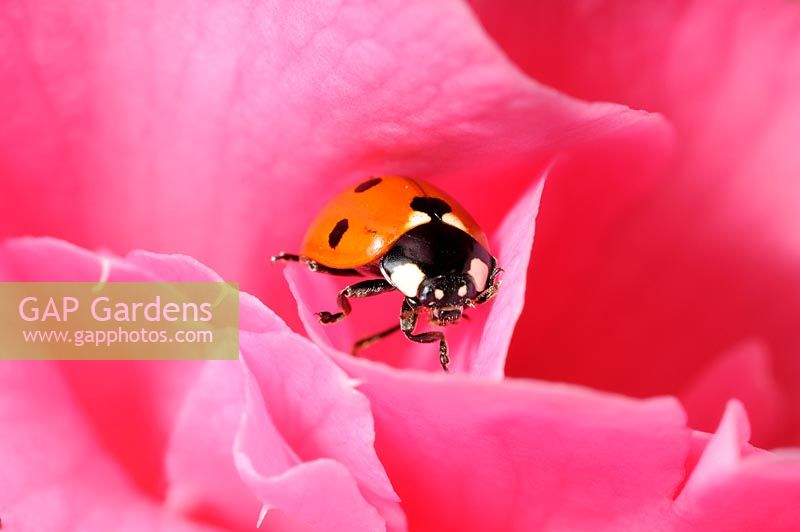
{"x":313,"y":265}
{"x":369,"y":340}
{"x":371,"y":287}
{"x":408,"y":321}
{"x":288,"y":257}
{"x":494,"y":286}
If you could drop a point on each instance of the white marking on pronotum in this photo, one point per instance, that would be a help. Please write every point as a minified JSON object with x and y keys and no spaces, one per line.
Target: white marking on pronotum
{"x":462,"y":290}
{"x":417,"y":218}
{"x":451,"y":219}
{"x":407,"y":278}
{"x":438,"y":293}
{"x":479,"y":271}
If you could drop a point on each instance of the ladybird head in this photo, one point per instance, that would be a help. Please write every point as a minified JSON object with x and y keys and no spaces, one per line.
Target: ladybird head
{"x":439,"y":267}
{"x":446,"y":296}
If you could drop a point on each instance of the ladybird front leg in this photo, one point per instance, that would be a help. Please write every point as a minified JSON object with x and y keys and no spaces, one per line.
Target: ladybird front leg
{"x":494,"y":286}
{"x":367,"y":288}
{"x":313,"y":265}
{"x":408,"y":321}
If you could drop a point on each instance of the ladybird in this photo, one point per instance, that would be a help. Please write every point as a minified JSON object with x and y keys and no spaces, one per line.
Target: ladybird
{"x":409,"y":236}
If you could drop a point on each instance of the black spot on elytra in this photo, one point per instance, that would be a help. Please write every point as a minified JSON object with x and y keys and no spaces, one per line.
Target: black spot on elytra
{"x":433,"y":207}
{"x":366,"y":185}
{"x":338,"y":232}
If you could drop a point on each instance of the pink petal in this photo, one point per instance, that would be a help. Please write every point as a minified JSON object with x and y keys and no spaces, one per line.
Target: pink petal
{"x":697,"y":447}
{"x":733,"y":489}
{"x":225,"y":127}
{"x":322,"y":493}
{"x":471,"y":454}
{"x":55,"y":474}
{"x":132,"y":405}
{"x":201,"y":473}
{"x":306,"y":443}
{"x":485,"y":343}
{"x":743,"y":374}
{"x":50,"y":259}
{"x":202,"y":478}
{"x":253,"y":315}
{"x":722,"y":452}
{"x":711,"y":257}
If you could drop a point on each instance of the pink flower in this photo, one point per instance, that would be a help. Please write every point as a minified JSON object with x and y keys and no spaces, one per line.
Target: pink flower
{"x":218,"y":130}
{"x":668,"y":287}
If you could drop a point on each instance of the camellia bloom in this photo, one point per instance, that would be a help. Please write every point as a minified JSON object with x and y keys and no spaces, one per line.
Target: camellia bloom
{"x":704,"y":265}
{"x":218,"y":131}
